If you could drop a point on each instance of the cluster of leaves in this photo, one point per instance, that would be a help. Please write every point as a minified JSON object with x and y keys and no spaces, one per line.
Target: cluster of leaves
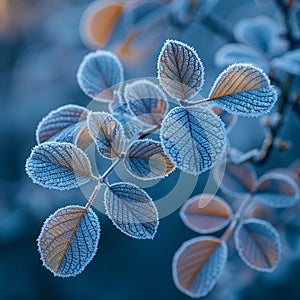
{"x":69,"y":238}
{"x":192,"y":138}
{"x":198,"y":263}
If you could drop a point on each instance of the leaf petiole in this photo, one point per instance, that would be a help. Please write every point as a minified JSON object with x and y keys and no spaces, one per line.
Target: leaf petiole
{"x":237,"y":216}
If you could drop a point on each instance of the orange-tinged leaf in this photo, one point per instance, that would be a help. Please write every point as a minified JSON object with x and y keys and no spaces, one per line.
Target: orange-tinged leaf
{"x":60,"y":166}
{"x":99,"y":21}
{"x":198,"y":264}
{"x":244,"y":90}
{"x":206,"y":213}
{"x":146,"y":160}
{"x":180,"y":70}
{"x":61,"y":124}
{"x":146,"y":101}
{"x":68,"y":240}
{"x":277,"y":190}
{"x":239,"y":78}
{"x":107,"y":132}
{"x":258,"y":244}
{"x":235,"y":179}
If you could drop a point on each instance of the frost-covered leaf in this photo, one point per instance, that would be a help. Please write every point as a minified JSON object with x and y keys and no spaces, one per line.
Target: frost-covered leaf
{"x":60,"y":166}
{"x":180,"y":70}
{"x":228,"y":119}
{"x":130,"y":124}
{"x":235,"y":179}
{"x":102,"y":21}
{"x":277,"y":190}
{"x":258,"y":244}
{"x":98,"y":73}
{"x":146,"y":159}
{"x":83,"y":139}
{"x":197,"y":265}
{"x":244,"y":90}
{"x":68,"y":240}
{"x":288,"y":62}
{"x":263,"y":33}
{"x":131,"y":210}
{"x":107,"y":132}
{"x":61,"y":124}
{"x":146,"y":101}
{"x":239,"y":53}
{"x":193,"y":138}
{"x":118,"y":105}
{"x":206,"y":213}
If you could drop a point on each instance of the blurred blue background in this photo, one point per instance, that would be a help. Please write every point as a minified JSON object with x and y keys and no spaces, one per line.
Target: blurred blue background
{"x":40,"y":50}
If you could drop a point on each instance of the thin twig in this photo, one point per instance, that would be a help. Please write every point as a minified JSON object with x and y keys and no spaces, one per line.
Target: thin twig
{"x":111,"y":168}
{"x":271,"y":132}
{"x":120,"y":158}
{"x":285,"y":11}
{"x":93,"y":196}
{"x":237,"y":216}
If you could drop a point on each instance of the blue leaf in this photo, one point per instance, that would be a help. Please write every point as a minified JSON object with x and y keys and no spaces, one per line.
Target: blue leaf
{"x":244,"y":90}
{"x":193,"y":138}
{"x":288,"y":62}
{"x":239,"y":53}
{"x":61,"y":124}
{"x":60,"y":166}
{"x":98,"y":73}
{"x":68,"y":240}
{"x":258,"y":244}
{"x":206,"y":213}
{"x":118,"y":105}
{"x":262,"y":33}
{"x":131,"y":210}
{"x":277,"y":190}
{"x":235,"y":179}
{"x":107,"y":133}
{"x":198,"y":264}
{"x":146,"y":101}
{"x":146,"y":159}
{"x":131,"y":126}
{"x":180,"y":70}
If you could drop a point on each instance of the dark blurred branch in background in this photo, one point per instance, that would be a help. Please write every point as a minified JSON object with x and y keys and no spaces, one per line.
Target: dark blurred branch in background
{"x":285,"y":9}
{"x":272,"y":130}
{"x":218,"y":27}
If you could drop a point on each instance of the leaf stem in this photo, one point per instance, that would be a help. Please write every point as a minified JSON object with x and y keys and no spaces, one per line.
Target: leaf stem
{"x":112,"y":166}
{"x":237,"y":216}
{"x":198,"y":102}
{"x":103,"y":178}
{"x":227,"y":234}
{"x":93,"y":196}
